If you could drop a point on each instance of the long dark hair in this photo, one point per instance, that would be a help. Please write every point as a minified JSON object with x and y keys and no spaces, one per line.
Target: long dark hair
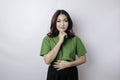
{"x":53,"y":30}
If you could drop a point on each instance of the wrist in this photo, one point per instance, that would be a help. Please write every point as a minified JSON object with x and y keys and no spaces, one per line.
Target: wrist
{"x":70,"y":64}
{"x":59,"y":42}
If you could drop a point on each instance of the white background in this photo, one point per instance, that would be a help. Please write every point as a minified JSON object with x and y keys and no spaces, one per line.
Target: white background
{"x":24,"y":23}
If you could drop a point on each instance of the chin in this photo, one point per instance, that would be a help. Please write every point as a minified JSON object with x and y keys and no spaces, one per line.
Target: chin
{"x":62,"y":30}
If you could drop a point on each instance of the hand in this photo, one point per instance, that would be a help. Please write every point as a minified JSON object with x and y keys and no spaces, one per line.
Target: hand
{"x":62,"y":35}
{"x":61,"y":64}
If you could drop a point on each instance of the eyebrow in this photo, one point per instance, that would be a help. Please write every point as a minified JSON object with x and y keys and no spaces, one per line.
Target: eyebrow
{"x":64,"y":19}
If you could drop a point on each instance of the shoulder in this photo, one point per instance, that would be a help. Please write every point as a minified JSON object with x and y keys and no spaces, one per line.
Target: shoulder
{"x":47,"y":38}
{"x":76,"y":37}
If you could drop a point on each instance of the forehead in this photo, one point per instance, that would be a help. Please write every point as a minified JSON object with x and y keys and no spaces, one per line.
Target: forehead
{"x":62,"y":16}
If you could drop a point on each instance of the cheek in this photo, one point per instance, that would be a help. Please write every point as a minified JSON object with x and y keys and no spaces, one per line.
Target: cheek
{"x":66,"y":25}
{"x":57,"y":24}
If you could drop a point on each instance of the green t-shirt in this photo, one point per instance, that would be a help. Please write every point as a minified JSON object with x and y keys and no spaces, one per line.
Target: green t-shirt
{"x":69,"y":49}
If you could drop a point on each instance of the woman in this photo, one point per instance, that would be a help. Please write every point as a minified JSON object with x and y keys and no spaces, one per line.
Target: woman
{"x":60,"y":47}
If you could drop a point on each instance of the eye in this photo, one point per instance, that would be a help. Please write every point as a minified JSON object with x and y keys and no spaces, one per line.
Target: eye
{"x":58,"y":21}
{"x":66,"y":20}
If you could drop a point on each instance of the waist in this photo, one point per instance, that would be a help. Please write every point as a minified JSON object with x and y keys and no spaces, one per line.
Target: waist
{"x":65,"y":59}
{"x":69,"y":68}
{"x":59,"y":60}
{"x":53,"y":63}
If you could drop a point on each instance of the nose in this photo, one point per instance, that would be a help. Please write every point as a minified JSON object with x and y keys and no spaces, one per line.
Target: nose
{"x":62,"y":23}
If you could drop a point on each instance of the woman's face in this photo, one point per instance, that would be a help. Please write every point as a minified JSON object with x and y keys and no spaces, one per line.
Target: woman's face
{"x":62,"y":23}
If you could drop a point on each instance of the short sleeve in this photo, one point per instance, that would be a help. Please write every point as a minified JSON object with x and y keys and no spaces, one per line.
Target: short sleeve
{"x":45,"y":48}
{"x":80,"y":48}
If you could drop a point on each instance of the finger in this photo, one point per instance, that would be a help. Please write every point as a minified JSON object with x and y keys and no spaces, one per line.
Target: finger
{"x":59,"y":69}
{"x":61,"y":32}
{"x":65,"y":34}
{"x":56,"y":63}
{"x":56,"y":66}
{"x":58,"y":60}
{"x":61,"y":60}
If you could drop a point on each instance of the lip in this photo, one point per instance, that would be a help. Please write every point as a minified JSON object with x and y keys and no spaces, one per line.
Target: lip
{"x":62,"y":27}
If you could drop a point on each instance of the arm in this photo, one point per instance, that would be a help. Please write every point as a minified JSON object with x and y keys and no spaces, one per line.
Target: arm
{"x":65,"y":64}
{"x":53,"y":53}
{"x":78,"y":61}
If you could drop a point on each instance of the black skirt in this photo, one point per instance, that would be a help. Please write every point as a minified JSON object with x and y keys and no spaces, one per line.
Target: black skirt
{"x":64,"y":74}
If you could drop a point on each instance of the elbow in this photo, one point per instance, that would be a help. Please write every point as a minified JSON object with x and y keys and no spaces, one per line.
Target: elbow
{"x":84,"y":60}
{"x":47,"y":62}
